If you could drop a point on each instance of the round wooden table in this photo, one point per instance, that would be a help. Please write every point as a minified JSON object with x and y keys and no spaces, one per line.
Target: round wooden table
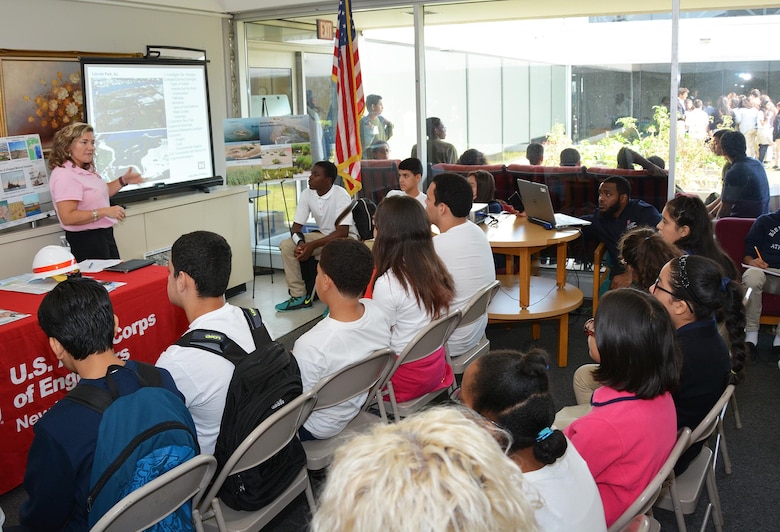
{"x":527,"y":297}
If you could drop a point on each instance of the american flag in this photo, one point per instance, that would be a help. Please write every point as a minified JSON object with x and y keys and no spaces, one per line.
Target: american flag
{"x":346,"y":73}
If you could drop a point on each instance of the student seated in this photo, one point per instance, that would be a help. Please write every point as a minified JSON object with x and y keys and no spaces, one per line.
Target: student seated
{"x":324,"y":201}
{"x":616,"y":214}
{"x":412,"y":287}
{"x":693,"y":289}
{"x":437,"y":471}
{"x":410,"y":173}
{"x":483,"y":186}
{"x":463,"y":248}
{"x":198,"y":275}
{"x":79,"y":321}
{"x":512,"y":390}
{"x":353,"y":329}
{"x":629,"y":433}
{"x":570,"y":157}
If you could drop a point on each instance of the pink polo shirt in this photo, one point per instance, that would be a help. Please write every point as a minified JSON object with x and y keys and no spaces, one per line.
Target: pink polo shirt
{"x":69,"y":182}
{"x":625,"y":442}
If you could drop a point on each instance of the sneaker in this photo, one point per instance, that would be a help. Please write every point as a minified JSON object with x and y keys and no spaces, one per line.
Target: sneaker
{"x":753,"y":350}
{"x":294,"y":303}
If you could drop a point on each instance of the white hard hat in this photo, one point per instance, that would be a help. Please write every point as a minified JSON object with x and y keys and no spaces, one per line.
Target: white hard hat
{"x":53,"y":260}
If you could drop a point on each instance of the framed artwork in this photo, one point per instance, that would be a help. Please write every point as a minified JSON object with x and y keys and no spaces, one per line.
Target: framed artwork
{"x":40,"y":92}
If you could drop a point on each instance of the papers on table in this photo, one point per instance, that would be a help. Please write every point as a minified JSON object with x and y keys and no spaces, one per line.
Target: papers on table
{"x":776,"y":273}
{"x":7,"y":316}
{"x":97,"y":265}
{"x":27,"y":285}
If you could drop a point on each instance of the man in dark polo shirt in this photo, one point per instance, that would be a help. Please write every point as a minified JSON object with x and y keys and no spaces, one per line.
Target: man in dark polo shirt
{"x":616,"y":214}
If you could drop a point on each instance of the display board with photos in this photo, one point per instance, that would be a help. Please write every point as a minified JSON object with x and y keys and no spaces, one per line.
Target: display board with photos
{"x":265,"y":148}
{"x":24,"y":196}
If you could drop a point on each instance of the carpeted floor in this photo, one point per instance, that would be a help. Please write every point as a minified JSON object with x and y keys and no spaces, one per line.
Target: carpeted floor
{"x":746,"y":494}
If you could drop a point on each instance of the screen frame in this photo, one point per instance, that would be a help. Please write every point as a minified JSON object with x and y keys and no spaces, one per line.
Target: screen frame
{"x":158,"y":189}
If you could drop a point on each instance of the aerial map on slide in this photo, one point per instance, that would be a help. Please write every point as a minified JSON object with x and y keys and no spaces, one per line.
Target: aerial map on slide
{"x":131,"y":127}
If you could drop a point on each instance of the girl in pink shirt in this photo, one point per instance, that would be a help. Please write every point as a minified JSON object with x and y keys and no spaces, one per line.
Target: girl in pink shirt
{"x":632,"y":428}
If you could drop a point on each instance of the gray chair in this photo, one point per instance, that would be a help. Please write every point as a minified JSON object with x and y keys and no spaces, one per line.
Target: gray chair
{"x":642,"y":523}
{"x":682,"y":494}
{"x":645,"y":501}
{"x":475,"y":308}
{"x":261,"y":444}
{"x":432,"y":338}
{"x":157,"y":499}
{"x":353,"y":380}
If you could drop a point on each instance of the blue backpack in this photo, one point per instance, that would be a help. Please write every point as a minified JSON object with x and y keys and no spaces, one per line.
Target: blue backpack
{"x":141,"y":436}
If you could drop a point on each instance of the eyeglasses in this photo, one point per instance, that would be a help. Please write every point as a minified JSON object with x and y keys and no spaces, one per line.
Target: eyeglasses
{"x":590,"y":327}
{"x":657,"y":286}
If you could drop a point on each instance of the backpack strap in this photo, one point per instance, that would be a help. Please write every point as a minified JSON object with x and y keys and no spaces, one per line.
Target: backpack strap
{"x":256,"y":325}
{"x":220,"y":344}
{"x":343,"y":214}
{"x":98,"y":399}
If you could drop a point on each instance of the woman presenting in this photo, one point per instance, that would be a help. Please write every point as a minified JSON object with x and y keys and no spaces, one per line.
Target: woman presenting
{"x":80,"y":195}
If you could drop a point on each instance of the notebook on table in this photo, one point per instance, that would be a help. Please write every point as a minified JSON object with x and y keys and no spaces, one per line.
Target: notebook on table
{"x":130,"y":265}
{"x":538,"y":207}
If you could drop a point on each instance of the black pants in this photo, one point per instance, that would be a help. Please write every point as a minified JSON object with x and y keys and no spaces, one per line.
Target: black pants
{"x":93,"y":244}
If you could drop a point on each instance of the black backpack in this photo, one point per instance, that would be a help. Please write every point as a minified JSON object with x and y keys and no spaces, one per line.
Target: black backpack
{"x":263,"y":381}
{"x":363,"y":210}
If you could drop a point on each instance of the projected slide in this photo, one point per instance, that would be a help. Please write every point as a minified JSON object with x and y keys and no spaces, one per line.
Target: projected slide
{"x":153,"y":117}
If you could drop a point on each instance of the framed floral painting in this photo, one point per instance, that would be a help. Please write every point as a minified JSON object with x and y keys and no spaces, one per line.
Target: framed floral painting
{"x":40,"y":92}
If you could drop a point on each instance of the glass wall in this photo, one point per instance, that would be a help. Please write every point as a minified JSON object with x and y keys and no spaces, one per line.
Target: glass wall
{"x":499,"y":82}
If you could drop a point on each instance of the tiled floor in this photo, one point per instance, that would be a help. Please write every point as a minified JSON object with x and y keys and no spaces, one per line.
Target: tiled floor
{"x":268,"y":291}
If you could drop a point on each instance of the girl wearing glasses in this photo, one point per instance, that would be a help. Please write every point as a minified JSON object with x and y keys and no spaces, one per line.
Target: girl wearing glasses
{"x":511,"y":389}
{"x":693,"y":289}
{"x":632,"y":427}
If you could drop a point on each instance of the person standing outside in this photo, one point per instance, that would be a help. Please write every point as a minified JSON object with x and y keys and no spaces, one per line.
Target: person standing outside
{"x":438,"y":150}
{"x":374,"y":128}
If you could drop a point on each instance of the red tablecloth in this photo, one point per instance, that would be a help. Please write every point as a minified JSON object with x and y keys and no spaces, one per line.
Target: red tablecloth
{"x":30,"y":379}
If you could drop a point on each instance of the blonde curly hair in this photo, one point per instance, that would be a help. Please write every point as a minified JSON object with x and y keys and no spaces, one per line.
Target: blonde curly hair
{"x":436,"y":471}
{"x":60,"y":150}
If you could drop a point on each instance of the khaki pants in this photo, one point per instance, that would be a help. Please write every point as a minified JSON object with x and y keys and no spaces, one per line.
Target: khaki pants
{"x":760,"y":282}
{"x":292,"y":268}
{"x":583,"y":383}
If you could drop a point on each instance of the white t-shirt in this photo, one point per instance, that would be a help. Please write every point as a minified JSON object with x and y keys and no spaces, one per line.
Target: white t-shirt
{"x":202,"y":377}
{"x":465,"y":251}
{"x":420,"y":197}
{"x":325,"y":209}
{"x":330,"y":346}
{"x":568,"y":494}
{"x":401,"y":308}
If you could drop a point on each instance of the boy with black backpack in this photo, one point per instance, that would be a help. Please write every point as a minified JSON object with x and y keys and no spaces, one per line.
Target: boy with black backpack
{"x":198,"y":274}
{"x":75,"y":471}
{"x":232,"y":375}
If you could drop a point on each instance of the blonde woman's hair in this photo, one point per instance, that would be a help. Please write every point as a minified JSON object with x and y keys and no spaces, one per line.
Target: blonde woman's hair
{"x":60,"y":150}
{"x":436,"y":471}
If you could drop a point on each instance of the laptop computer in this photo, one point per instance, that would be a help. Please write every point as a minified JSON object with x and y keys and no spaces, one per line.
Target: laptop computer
{"x":538,"y":207}
{"x":130,"y":265}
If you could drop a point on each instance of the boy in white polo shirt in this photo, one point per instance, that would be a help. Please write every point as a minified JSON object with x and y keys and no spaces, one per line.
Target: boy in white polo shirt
{"x":324,"y":201}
